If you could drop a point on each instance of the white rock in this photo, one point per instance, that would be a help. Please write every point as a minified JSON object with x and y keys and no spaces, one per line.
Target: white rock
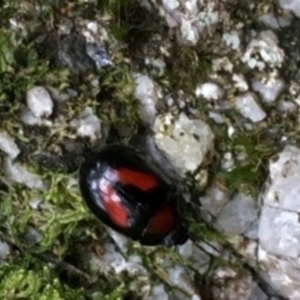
{"x":158,"y":292}
{"x":33,"y":236}
{"x":8,"y":145}
{"x":119,"y":239}
{"x":171,"y":22}
{"x":4,"y":250}
{"x":170,"y":4}
{"x":240,"y":82}
{"x":268,"y":91}
{"x":223,"y":63}
{"x":231,"y":131}
{"x":93,"y":27}
{"x":17,"y":173}
{"x":18,"y":26}
{"x":135,"y":267}
{"x":179,"y":277}
{"x":232,"y":39}
{"x":210,"y":91}
{"x":217,"y":118}
{"x":195,"y":255}
{"x":237,"y":215}
{"x":27,"y":117}
{"x":208,"y":16}
{"x":188,"y":20}
{"x":39,"y":102}
{"x":35,"y":203}
{"x":225,"y":272}
{"x":227,"y":161}
{"x":191,"y":6}
{"x":249,"y":108}
{"x":284,"y":191}
{"x":186,"y":249}
{"x":146,"y":92}
{"x":264,"y":51}
{"x":188,"y":32}
{"x":87,"y":124}
{"x":283,"y":275}
{"x":112,"y":260}
{"x":292,"y":5}
{"x":186,"y":141}
{"x":157,"y":63}
{"x":279,"y":232}
{"x":252,"y":232}
{"x":214,"y":200}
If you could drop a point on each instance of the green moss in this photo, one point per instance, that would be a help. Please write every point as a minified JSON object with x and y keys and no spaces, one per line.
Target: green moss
{"x":28,"y":280}
{"x":200,"y":231}
{"x":250,"y":174}
{"x":117,"y":104}
{"x":15,"y":79}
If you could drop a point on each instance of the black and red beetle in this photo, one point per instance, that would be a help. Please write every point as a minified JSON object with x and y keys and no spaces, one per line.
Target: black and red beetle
{"x":130,"y":195}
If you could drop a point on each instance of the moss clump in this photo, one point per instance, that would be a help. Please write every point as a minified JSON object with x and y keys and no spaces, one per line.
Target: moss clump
{"x":57,"y":225}
{"x":117,"y":105}
{"x":26,"y":280}
{"x":249,"y":174}
{"x":15,"y":78}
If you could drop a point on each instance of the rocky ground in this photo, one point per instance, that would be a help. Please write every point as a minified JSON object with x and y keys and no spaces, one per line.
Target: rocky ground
{"x":209,"y":89}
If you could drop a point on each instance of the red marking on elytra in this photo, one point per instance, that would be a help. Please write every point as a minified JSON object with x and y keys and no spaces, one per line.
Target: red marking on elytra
{"x":113,"y":205}
{"x":141,"y":180}
{"x":162,"y":222}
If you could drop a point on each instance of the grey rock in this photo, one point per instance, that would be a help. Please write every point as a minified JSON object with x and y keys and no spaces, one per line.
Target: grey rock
{"x":27,"y":117}
{"x":99,"y":55}
{"x":282,"y":275}
{"x":17,"y":173}
{"x":268,"y":91}
{"x":279,"y":232}
{"x":210,"y":91}
{"x":87,"y":123}
{"x":249,"y":108}
{"x":158,"y":292}
{"x":39,"y":102}
{"x":238,"y":215}
{"x":4,"y":250}
{"x":284,"y":190}
{"x":8,"y":145}
{"x":197,"y":256}
{"x":147,"y":93}
{"x":185,"y":141}
{"x":291,"y":5}
{"x":252,"y":233}
{"x":214,"y":200}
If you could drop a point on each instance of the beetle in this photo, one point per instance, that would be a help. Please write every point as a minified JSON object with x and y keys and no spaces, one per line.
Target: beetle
{"x":128,"y":193}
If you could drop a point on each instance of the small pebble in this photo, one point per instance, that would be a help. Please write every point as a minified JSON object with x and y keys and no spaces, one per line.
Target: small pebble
{"x":8,"y":145}
{"x":39,"y":102}
{"x":249,"y":108}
